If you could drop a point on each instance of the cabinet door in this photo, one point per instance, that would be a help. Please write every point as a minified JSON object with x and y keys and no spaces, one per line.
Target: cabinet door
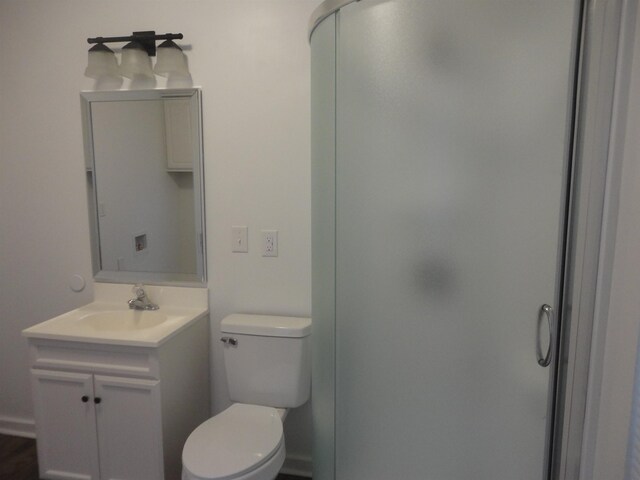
{"x":129,"y":428}
{"x":65,"y":425}
{"x":177,"y":120}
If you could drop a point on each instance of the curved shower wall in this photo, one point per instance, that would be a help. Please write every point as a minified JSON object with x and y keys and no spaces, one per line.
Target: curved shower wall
{"x":323,"y":137}
{"x":441,"y":135}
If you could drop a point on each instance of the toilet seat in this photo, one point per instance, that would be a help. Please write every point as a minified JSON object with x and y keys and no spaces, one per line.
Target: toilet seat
{"x":233,"y":443}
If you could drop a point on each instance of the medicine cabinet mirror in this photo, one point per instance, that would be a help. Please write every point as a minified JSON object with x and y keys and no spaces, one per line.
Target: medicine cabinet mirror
{"x":144,"y":169}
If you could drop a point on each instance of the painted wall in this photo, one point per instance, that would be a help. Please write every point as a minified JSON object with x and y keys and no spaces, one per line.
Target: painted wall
{"x":251,"y":58}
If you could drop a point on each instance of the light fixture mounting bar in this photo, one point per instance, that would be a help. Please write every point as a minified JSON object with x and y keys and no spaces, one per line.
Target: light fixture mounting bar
{"x":147,"y":39}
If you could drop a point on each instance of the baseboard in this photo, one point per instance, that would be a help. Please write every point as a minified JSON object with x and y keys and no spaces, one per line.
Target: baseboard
{"x":23,"y":427}
{"x":19,"y":427}
{"x":297,"y":465}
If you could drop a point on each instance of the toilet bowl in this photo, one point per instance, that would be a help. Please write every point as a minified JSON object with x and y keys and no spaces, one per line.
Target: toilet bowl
{"x":267,"y":362}
{"x":244,"y":442}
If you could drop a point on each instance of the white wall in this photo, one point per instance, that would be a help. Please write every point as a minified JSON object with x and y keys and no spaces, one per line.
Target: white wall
{"x":623,"y":322}
{"x":251,"y":58}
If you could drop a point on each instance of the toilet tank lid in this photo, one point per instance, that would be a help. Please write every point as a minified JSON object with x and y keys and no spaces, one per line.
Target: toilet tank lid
{"x":266,"y":325}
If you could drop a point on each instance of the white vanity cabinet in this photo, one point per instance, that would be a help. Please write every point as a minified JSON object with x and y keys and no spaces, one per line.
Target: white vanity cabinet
{"x":112,"y":411}
{"x":128,"y":420}
{"x":67,"y":436}
{"x":94,"y":426}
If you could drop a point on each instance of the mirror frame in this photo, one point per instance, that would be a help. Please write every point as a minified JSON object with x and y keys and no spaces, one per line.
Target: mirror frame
{"x":87,"y":98}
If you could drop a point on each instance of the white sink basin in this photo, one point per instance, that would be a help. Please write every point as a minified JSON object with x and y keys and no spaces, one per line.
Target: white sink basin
{"x":108,"y":323}
{"x":110,"y":320}
{"x":118,"y":321}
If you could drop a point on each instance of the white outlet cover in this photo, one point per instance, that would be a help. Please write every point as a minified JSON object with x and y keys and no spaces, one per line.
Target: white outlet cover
{"x":269,"y":243}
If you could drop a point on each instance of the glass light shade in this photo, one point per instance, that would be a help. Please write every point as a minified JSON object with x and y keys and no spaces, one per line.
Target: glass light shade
{"x":139,"y":81}
{"x":135,"y":61}
{"x":102,"y":62}
{"x":171,"y":59}
{"x":179,"y":80}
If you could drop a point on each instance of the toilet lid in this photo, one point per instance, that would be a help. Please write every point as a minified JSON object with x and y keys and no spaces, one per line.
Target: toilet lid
{"x":233,"y":442}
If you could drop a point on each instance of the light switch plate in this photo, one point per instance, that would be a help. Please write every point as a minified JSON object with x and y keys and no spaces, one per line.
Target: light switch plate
{"x":239,"y":239}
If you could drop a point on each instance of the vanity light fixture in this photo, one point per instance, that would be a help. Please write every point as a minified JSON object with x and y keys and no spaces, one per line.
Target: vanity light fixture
{"x":135,"y":59}
{"x":172,"y":63}
{"x":171,"y":59}
{"x":102,"y":62}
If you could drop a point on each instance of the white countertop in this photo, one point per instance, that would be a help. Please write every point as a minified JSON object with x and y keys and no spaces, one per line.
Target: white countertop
{"x":108,"y":320}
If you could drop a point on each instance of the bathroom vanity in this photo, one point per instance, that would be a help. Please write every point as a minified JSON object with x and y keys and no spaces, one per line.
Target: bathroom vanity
{"x":117,"y":391}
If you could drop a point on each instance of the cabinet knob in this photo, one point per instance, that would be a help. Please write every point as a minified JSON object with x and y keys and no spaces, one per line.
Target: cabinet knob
{"x":97,"y":400}
{"x":85,"y":398}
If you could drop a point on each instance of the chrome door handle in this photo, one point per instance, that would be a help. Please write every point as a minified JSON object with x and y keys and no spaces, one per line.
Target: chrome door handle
{"x":546,"y":360}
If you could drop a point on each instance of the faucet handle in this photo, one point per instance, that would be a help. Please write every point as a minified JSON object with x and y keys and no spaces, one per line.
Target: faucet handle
{"x":138,"y":290}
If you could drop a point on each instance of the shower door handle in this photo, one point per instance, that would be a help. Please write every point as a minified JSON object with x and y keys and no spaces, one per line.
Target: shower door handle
{"x":546,"y":360}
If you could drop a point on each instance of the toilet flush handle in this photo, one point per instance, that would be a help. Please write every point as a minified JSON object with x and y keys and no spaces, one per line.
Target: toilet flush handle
{"x":229,"y":341}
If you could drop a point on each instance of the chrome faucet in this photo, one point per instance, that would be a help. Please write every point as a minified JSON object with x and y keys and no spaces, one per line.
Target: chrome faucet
{"x":141,"y":301}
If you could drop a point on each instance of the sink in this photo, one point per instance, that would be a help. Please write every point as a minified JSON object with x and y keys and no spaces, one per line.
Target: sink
{"x":139,"y":365}
{"x":109,"y":320}
{"x":123,"y":321}
{"x":99,"y":322}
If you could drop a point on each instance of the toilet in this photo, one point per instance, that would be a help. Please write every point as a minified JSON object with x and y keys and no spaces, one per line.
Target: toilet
{"x":268,"y":365}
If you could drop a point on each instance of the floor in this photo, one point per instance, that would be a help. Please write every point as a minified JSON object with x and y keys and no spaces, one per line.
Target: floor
{"x":18,"y":460}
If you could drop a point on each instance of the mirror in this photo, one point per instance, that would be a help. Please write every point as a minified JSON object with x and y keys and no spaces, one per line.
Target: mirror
{"x":144,"y":164}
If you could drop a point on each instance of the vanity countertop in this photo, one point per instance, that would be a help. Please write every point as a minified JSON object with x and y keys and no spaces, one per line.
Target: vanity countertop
{"x":108,"y":320}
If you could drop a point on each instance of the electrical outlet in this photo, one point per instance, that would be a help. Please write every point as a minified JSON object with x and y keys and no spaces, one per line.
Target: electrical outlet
{"x":269,"y":243}
{"x":239,"y":239}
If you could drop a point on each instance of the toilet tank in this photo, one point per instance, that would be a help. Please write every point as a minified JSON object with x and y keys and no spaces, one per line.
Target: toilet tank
{"x":267,"y":359}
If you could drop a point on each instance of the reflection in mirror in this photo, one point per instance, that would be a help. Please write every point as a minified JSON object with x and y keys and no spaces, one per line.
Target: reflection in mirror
{"x":144,"y":178}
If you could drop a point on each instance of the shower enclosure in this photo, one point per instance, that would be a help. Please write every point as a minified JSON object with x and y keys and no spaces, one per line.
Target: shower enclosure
{"x":441,"y":161}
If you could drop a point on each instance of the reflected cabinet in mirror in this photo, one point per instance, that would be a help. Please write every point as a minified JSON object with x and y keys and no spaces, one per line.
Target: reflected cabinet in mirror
{"x":144,"y":167}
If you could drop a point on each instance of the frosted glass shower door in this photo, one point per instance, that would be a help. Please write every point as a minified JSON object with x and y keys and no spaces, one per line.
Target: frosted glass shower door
{"x":453,"y":121}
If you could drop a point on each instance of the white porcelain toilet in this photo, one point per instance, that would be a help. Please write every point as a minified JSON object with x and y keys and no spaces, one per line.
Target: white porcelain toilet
{"x":268,"y":365}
